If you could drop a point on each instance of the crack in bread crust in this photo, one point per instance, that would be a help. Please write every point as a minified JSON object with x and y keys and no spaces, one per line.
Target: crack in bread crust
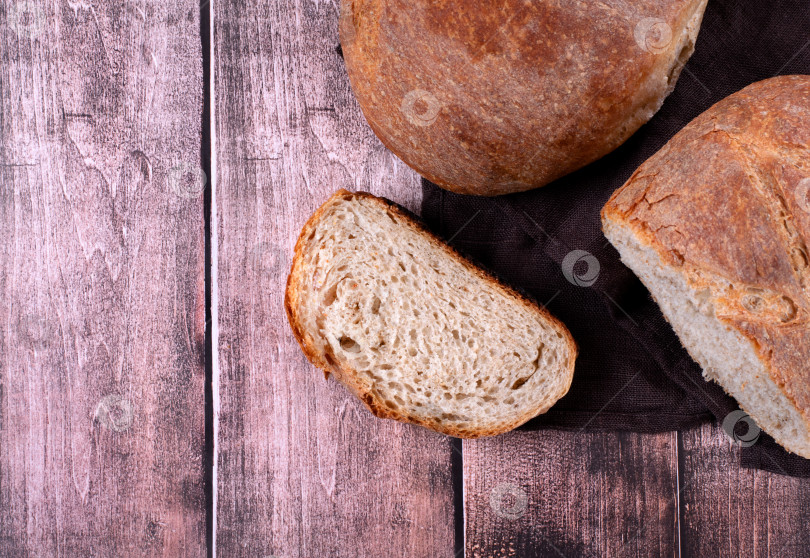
{"x":774,"y":196}
{"x":725,"y":213}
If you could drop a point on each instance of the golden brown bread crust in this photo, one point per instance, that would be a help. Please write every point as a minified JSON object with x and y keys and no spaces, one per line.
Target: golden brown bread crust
{"x":490,"y":97}
{"x":728,"y":201}
{"x":347,"y":376}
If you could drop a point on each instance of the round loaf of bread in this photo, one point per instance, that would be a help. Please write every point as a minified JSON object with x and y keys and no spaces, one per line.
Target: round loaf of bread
{"x":716,"y":225}
{"x":491,"y":97}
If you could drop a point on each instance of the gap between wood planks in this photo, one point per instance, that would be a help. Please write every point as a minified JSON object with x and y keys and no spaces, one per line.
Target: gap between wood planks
{"x":207,"y":158}
{"x":457,"y":474}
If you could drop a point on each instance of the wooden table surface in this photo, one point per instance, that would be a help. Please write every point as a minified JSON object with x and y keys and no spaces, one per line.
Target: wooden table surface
{"x":130,"y":428}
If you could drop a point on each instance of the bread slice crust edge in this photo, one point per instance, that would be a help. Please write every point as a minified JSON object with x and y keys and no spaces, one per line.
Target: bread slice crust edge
{"x":347,"y":376}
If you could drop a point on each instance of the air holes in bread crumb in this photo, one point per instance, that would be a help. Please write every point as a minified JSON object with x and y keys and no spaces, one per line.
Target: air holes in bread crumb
{"x":349,"y":345}
{"x":461,"y":342}
{"x":519,"y":382}
{"x":330,"y":295}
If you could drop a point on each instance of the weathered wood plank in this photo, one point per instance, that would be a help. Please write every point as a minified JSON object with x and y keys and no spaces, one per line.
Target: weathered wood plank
{"x":553,"y":493}
{"x":101,"y":280}
{"x":731,"y":511}
{"x":303,"y":469}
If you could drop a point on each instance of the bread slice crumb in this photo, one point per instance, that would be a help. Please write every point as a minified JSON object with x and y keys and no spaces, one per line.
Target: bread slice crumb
{"x":417,"y":332}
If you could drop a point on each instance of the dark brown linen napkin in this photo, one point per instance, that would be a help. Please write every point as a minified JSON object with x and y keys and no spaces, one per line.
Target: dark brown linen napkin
{"x":632,"y":372}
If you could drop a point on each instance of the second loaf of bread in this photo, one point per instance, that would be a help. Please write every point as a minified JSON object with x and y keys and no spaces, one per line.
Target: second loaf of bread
{"x":716,"y":226}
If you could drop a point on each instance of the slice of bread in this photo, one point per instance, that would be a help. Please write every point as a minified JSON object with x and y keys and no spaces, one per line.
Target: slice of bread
{"x":414,"y":330}
{"x":716,"y":225}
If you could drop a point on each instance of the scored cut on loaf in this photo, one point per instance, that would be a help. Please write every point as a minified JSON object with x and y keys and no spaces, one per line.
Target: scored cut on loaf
{"x":414,"y":330}
{"x":716,"y":225}
{"x":489,"y":97}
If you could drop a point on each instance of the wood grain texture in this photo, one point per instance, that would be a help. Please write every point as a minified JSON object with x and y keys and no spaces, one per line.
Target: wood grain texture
{"x":552,"y":493}
{"x":303,"y":469}
{"x":731,"y":511}
{"x":101,"y":280}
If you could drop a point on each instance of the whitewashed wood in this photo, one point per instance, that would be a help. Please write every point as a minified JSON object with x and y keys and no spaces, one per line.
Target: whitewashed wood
{"x":303,"y":469}
{"x":101,"y":280}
